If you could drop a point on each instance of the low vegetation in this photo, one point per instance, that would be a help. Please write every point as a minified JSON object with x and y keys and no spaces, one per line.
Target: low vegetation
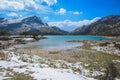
{"x":3,"y":56}
{"x":11,"y":75}
{"x":4,"y":33}
{"x":21,"y":76}
{"x":91,"y":60}
{"x":20,"y":41}
{"x":111,"y":72}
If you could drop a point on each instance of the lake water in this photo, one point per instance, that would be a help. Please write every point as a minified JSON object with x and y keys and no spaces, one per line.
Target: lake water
{"x":59,"y":42}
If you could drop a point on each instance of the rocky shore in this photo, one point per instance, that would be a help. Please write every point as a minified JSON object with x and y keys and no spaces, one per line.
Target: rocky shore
{"x":110,"y":46}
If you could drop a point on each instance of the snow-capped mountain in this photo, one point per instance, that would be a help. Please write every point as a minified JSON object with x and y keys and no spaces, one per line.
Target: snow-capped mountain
{"x":32,"y":23}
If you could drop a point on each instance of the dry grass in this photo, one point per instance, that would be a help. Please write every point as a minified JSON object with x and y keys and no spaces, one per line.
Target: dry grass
{"x":54,"y":52}
{"x":70,"y":55}
{"x":3,"y":56}
{"x":95,"y":60}
{"x":11,"y":75}
{"x":18,"y":76}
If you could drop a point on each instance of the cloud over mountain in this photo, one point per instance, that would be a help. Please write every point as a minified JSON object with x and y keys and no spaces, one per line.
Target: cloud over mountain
{"x":69,"y":25}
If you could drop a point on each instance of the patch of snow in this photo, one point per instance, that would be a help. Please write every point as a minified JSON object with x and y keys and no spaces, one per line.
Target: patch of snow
{"x":54,"y":74}
{"x":28,"y":39}
{"x":107,"y":50}
{"x":10,"y":21}
{"x":34,"y":67}
{"x":116,"y":61}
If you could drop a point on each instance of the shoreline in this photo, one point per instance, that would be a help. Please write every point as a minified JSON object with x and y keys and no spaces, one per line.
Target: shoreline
{"x":114,"y":38}
{"x":84,"y":55}
{"x":87,"y":44}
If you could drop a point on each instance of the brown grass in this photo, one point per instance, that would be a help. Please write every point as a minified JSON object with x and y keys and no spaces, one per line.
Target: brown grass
{"x":3,"y":56}
{"x":96,"y":60}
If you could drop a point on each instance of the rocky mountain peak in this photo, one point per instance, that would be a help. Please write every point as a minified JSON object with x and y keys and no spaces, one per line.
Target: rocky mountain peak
{"x":33,"y":19}
{"x":32,"y":24}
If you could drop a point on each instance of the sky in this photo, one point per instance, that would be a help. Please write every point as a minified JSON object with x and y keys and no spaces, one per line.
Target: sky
{"x":65,"y":14}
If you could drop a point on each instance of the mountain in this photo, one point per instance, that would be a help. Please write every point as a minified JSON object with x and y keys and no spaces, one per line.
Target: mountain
{"x":51,"y":31}
{"x":59,"y":30}
{"x":107,"y":26}
{"x":32,"y":24}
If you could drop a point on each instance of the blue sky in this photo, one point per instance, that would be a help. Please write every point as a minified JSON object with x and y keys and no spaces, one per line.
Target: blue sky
{"x":61,"y":13}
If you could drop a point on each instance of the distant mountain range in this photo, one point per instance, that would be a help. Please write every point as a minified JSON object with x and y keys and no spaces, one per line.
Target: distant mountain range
{"x":32,"y":24}
{"x":107,"y":26}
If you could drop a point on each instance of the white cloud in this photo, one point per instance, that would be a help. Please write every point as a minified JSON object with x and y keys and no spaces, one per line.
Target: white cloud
{"x":62,"y":11}
{"x":24,"y":4}
{"x":45,"y":18}
{"x":25,"y":7}
{"x":95,"y":19}
{"x":13,"y":14}
{"x":71,"y":25}
{"x":20,"y":15}
{"x":7,"y":4}
{"x":18,"y":4}
{"x":30,"y":4}
{"x":77,"y":13}
{"x":50,"y":2}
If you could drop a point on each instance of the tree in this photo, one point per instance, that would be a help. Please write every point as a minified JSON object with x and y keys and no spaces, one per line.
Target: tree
{"x":24,"y":33}
{"x":4,"y":33}
{"x":35,"y":36}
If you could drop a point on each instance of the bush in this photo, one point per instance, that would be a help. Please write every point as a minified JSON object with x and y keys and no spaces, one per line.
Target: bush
{"x":104,"y":44}
{"x":4,"y":33}
{"x":3,"y":56}
{"x":35,"y":36}
{"x":110,"y":73}
{"x":25,"y":33}
{"x":20,"y":41}
{"x":21,"y":77}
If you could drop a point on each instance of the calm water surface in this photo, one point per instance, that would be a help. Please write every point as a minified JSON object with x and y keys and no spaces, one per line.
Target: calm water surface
{"x":59,"y":42}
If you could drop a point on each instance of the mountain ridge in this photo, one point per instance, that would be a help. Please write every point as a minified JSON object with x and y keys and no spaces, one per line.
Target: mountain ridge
{"x":108,"y":26}
{"x":28,"y":24}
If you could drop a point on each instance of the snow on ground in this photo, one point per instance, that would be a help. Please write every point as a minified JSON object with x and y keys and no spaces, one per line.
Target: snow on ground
{"x":107,"y":49}
{"x":116,"y":61}
{"x":40,"y":73}
{"x":38,"y":68}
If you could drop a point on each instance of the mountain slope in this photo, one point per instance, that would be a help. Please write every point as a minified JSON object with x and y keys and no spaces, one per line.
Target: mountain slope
{"x":30,"y":24}
{"x":109,"y":25}
{"x":51,"y":31}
